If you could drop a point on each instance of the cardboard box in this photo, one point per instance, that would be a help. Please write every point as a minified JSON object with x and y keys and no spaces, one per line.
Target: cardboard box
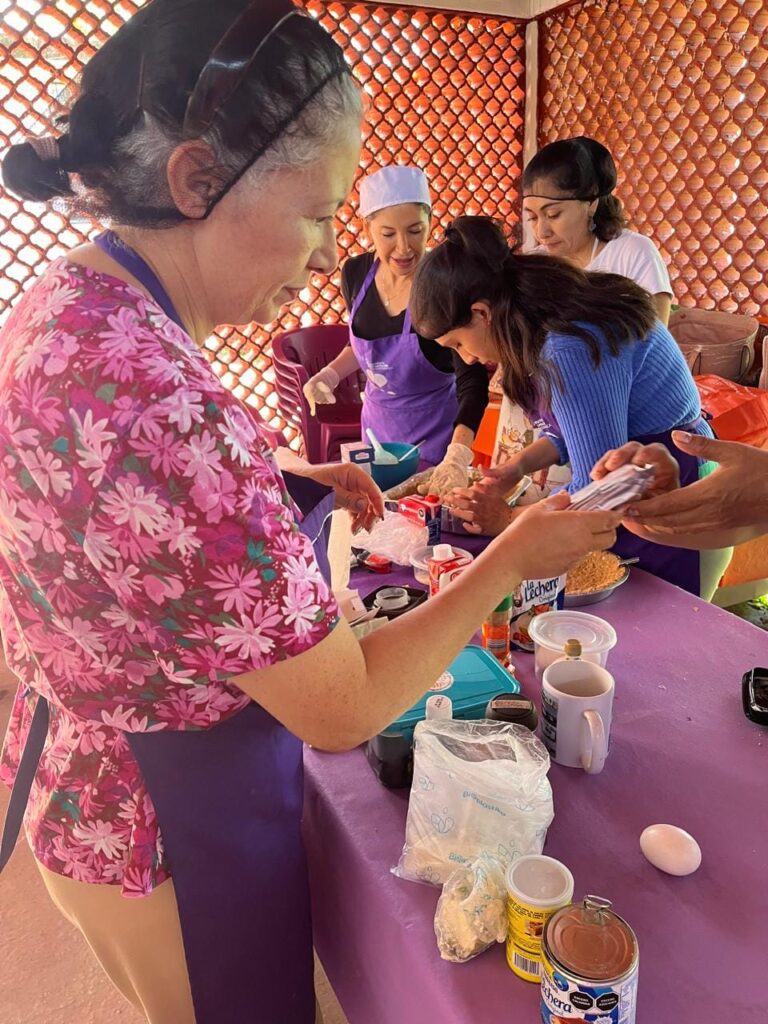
{"x":425,"y":512}
{"x":444,"y":571}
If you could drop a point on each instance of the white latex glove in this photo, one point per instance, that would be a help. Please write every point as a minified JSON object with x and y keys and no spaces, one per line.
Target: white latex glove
{"x":452,"y":472}
{"x":319,"y":389}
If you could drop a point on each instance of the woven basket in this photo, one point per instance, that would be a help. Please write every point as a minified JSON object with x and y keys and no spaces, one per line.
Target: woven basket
{"x":714,"y":342}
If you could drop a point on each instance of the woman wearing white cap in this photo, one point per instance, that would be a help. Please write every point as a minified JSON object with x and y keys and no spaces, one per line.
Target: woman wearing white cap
{"x":415,"y":389}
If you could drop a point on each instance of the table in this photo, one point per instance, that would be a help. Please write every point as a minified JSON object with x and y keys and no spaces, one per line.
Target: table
{"x":681,"y":752}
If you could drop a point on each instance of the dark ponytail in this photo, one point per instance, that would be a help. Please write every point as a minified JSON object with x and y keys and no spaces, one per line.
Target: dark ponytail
{"x":93,"y":127}
{"x":29,"y":176}
{"x":84,"y":149}
{"x":581,"y":168}
{"x":529,"y":296}
{"x":472,"y":260}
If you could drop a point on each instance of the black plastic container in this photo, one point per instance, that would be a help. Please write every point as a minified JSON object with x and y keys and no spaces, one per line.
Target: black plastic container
{"x":512,"y":708}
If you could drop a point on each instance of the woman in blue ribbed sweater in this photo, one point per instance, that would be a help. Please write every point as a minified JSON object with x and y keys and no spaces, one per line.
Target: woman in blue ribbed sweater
{"x":584,"y":351}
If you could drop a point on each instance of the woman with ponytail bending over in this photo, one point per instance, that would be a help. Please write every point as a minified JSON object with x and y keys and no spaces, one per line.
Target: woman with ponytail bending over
{"x":583,"y":351}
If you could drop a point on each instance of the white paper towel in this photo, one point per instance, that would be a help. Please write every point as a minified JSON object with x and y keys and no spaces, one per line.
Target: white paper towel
{"x":339,"y":548}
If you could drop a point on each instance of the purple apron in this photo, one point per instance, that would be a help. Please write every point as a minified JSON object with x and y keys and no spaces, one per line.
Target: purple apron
{"x":229,"y":805}
{"x":675,"y":565}
{"x":406,"y":397}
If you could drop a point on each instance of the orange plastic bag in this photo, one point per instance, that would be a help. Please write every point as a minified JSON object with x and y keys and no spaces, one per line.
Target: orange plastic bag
{"x":737,"y":413}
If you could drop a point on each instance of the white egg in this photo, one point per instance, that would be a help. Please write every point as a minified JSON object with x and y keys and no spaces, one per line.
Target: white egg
{"x":670,"y":849}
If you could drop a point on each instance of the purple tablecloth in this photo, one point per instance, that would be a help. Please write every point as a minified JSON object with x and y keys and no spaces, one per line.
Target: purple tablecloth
{"x":681,"y":752}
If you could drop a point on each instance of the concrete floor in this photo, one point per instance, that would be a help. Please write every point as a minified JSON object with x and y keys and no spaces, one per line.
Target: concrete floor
{"x":48,"y":975}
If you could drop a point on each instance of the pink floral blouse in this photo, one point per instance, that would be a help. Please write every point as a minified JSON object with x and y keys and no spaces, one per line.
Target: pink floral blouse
{"x":148,"y":552}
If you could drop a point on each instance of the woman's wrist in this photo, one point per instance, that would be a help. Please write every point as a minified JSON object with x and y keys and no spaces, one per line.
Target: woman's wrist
{"x":514,"y":469}
{"x":463,"y":435}
{"x":289,"y":462}
{"x":344,"y":363}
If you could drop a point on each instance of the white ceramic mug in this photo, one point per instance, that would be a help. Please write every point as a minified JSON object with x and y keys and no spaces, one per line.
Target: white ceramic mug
{"x":576,"y":707}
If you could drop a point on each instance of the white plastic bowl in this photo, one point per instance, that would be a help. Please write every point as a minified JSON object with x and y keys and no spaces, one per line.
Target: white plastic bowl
{"x":551,"y":630}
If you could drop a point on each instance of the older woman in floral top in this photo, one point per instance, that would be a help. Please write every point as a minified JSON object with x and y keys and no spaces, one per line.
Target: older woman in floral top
{"x":150,"y":554}
{"x":160,"y":600}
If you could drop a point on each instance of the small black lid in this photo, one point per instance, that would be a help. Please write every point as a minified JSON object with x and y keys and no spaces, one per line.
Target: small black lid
{"x":512,"y":707}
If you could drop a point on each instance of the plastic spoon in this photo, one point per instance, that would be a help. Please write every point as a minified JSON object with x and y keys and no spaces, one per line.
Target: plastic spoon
{"x":409,"y":451}
{"x":383,"y":457}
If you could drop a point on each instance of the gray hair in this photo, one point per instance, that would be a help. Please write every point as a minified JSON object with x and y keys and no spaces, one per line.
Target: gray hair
{"x":141,"y":157}
{"x":132,"y":106}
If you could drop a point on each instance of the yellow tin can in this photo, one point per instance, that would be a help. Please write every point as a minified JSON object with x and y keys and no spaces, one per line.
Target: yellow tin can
{"x":537,"y":886}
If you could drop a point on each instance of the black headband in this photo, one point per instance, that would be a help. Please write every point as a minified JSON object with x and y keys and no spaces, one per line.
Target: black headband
{"x":567,"y":199}
{"x":224,"y":71}
{"x":230,"y":61}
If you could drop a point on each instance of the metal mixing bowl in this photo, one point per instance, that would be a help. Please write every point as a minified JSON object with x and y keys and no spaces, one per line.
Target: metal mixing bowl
{"x":593,"y":596}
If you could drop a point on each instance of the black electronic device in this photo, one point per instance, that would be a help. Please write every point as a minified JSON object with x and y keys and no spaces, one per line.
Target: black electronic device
{"x":754,"y":695}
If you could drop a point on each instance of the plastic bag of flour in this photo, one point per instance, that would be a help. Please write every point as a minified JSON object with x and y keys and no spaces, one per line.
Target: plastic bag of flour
{"x":479,"y":788}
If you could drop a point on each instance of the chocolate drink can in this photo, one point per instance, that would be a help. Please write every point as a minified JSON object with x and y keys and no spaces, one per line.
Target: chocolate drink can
{"x":589,"y":966}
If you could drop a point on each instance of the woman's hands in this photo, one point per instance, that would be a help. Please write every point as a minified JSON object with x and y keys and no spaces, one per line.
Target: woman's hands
{"x":355,"y":491}
{"x":546,"y":539}
{"x":727,"y":507}
{"x":319,"y":390}
{"x":500,"y":481}
{"x":666,"y":470}
{"x":482,"y":511}
{"x":732,"y":497}
{"x":483,"y":506}
{"x":451,"y":473}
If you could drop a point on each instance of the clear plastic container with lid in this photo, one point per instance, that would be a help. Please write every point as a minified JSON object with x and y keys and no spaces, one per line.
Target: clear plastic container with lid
{"x":551,"y":631}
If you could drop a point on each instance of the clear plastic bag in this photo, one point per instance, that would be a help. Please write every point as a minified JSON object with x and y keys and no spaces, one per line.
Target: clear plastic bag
{"x":471,"y":913}
{"x":394,"y":537}
{"x":479,"y":788}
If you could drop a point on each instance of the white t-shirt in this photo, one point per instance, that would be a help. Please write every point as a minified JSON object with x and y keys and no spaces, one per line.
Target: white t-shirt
{"x":634,"y":256}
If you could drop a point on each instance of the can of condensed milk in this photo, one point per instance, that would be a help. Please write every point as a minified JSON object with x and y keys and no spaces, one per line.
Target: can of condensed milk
{"x":589,"y":966}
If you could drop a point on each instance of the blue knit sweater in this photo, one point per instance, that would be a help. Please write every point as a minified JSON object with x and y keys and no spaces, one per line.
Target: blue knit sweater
{"x":646,"y":389}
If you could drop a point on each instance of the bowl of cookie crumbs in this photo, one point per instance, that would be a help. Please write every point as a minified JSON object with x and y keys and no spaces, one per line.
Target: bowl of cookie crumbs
{"x":594,"y":579}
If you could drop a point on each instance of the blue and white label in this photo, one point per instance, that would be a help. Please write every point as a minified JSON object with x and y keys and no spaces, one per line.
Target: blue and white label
{"x":563,"y":999}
